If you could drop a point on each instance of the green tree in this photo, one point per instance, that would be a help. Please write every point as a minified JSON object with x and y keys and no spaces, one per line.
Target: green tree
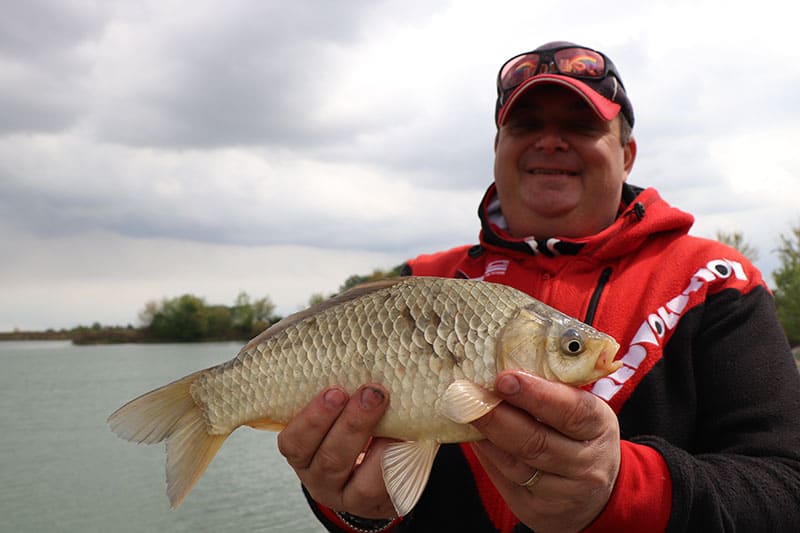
{"x":249,"y":318}
{"x":218,"y":322}
{"x":188,"y":318}
{"x":377,"y":274}
{"x":316,"y":299}
{"x":147,"y":314}
{"x":182,"y":319}
{"x":263,"y":315}
{"x":353,"y":281}
{"x":242,"y":314}
{"x":787,"y":282}
{"x":264,"y":310}
{"x":736,"y":240}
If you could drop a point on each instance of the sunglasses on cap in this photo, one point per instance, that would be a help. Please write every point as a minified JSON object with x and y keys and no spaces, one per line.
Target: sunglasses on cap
{"x":574,"y":61}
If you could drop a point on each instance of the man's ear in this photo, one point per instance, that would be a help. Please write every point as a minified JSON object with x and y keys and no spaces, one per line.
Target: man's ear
{"x":629,"y":155}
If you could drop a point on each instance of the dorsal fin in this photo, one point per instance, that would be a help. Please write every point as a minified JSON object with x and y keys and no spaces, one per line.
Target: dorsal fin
{"x":347,"y":296}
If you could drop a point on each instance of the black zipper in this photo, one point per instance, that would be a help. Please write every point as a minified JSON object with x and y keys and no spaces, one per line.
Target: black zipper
{"x":598,"y":291}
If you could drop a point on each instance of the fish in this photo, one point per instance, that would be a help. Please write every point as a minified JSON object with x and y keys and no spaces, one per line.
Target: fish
{"x":436,"y":344}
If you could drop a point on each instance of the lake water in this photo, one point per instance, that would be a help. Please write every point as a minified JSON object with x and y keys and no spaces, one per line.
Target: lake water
{"x":62,"y":469}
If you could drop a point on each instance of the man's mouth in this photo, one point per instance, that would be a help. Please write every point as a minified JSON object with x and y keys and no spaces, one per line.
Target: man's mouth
{"x":552,"y":172}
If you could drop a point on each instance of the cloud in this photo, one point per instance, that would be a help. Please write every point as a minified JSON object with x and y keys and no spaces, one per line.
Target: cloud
{"x":246,"y":74}
{"x":43,"y":64}
{"x":338,"y":137}
{"x":235,"y":196}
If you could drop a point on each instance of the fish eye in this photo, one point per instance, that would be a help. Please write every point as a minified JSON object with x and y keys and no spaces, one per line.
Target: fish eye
{"x":572,"y":342}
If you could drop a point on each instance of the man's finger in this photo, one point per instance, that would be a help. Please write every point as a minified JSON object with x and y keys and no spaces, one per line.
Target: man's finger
{"x":575,"y":413}
{"x":300,"y":439}
{"x":521,"y":443}
{"x":347,"y":438}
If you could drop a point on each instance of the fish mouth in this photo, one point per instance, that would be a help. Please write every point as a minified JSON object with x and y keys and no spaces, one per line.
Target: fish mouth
{"x":606,"y":364}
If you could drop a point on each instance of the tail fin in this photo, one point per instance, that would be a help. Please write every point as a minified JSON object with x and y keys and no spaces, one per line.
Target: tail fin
{"x":170,"y":413}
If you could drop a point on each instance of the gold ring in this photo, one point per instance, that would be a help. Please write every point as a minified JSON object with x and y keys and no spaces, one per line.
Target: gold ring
{"x":531,"y":481}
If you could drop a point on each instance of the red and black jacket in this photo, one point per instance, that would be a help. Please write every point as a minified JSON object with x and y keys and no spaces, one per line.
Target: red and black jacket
{"x":708,"y":397}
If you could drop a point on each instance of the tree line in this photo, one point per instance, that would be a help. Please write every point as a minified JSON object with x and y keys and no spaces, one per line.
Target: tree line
{"x":189,"y":318}
{"x":186,"y":318}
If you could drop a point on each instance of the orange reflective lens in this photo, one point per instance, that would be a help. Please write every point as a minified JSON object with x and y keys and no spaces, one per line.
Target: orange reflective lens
{"x":573,"y":61}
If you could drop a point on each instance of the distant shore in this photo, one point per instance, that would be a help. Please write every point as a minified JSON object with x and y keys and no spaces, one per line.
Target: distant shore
{"x":49,"y":335}
{"x":98,"y":335}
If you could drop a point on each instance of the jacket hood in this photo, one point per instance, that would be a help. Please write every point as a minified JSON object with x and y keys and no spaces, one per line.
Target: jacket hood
{"x":643,"y":214}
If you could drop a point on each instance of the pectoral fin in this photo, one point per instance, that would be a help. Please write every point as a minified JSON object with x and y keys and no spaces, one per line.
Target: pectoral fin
{"x":406,"y":468}
{"x":464,"y":401}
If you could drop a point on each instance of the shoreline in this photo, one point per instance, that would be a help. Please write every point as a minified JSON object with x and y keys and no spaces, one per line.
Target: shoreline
{"x":106,"y":335}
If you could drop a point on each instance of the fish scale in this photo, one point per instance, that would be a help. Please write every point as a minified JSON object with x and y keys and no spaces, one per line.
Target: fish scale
{"x":435,"y":344}
{"x":437,"y":353}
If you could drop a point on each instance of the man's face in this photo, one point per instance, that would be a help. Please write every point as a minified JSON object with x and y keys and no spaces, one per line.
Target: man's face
{"x":559,"y":168}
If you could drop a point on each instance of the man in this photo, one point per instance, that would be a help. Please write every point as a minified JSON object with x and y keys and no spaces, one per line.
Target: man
{"x":700,"y":428}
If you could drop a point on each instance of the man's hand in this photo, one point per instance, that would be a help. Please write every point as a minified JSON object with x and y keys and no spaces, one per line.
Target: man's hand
{"x":567,"y":435}
{"x":324,"y":445}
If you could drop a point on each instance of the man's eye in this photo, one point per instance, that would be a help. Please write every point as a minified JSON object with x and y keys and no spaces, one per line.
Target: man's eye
{"x":524,"y":125}
{"x":586,"y":126}
{"x":583,"y":125}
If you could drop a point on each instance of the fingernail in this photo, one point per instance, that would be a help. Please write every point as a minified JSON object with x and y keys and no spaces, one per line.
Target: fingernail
{"x":335,"y":398}
{"x":508,"y":384}
{"x":371,"y":397}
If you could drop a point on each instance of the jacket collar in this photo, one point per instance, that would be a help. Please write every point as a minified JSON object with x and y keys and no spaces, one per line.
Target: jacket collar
{"x":641,"y":212}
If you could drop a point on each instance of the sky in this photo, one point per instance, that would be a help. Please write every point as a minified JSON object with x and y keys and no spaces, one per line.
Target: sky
{"x":155,"y":148}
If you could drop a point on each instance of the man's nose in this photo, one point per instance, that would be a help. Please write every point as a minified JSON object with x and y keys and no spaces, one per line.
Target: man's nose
{"x":551,"y":140}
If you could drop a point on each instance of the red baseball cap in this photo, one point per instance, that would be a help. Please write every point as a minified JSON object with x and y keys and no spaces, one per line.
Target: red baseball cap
{"x":589,"y":73}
